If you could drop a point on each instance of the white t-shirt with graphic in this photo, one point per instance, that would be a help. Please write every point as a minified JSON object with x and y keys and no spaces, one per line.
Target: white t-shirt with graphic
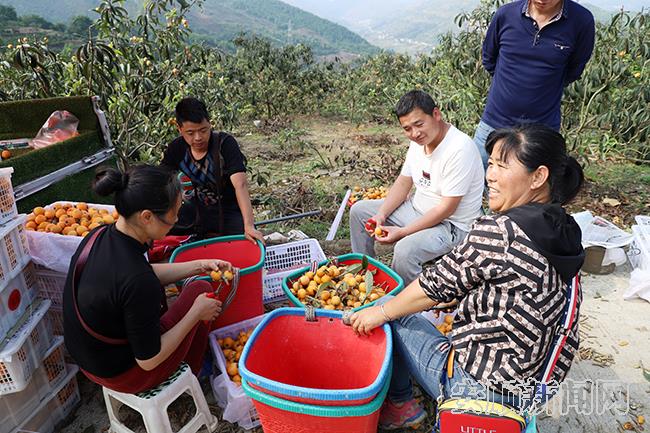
{"x":453,"y":169}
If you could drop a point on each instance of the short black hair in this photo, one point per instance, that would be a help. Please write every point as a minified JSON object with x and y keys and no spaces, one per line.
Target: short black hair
{"x":415,"y":99}
{"x":191,"y":110}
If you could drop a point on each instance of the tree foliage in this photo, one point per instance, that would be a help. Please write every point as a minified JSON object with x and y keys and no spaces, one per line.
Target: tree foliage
{"x":142,"y":65}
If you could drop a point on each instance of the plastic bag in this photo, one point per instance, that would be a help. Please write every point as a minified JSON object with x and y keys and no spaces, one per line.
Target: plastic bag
{"x":238,"y":407}
{"x":639,"y":285}
{"x":60,"y":126}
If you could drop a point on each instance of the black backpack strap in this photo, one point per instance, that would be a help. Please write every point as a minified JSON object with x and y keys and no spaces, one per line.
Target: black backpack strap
{"x":217,"y":159}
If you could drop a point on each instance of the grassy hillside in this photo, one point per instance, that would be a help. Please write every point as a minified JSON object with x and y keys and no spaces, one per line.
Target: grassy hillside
{"x":219,"y":21}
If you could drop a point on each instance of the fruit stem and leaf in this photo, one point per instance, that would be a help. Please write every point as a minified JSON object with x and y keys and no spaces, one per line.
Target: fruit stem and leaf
{"x":322,"y":287}
{"x":369,"y":279}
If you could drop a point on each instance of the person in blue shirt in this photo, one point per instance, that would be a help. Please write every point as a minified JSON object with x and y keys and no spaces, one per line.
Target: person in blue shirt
{"x":532,"y":50}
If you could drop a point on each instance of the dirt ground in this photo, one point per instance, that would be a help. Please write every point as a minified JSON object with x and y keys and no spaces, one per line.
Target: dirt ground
{"x":615,"y":342}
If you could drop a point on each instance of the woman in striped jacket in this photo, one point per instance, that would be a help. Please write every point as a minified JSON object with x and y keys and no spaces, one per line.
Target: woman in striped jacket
{"x":508,"y":278}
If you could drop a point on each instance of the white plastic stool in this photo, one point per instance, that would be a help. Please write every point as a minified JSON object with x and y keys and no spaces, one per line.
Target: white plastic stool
{"x":152,"y":404}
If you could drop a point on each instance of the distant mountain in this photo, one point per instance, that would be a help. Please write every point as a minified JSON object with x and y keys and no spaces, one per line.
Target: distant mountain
{"x":219,"y":21}
{"x":414,"y":26}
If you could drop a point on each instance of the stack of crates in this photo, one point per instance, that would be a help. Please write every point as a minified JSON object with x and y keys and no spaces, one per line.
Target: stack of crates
{"x":34,"y":378}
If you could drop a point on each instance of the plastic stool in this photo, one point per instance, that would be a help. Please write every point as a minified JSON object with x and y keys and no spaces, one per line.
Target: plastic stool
{"x":152,"y":404}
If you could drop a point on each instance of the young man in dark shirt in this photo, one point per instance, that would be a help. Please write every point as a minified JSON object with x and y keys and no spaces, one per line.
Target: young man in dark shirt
{"x":219,"y":203}
{"x":532,"y":49}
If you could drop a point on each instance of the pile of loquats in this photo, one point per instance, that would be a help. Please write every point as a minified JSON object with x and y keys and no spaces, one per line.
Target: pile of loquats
{"x":338,"y":287}
{"x":68,"y":219}
{"x":371,"y":193}
{"x":232,"y":349}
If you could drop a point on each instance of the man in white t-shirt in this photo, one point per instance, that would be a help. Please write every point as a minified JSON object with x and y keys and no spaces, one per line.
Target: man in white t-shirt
{"x":445,"y":167}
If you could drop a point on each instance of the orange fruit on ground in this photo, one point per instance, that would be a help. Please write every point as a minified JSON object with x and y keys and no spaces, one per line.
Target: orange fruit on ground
{"x":43,"y":225}
{"x":38,"y":210}
{"x":40,"y":218}
{"x":31,"y":225}
{"x":93,"y":226}
{"x":108,"y":219}
{"x":49,"y":214}
{"x":82,"y":206}
{"x":103,"y":212}
{"x":59,"y":212}
{"x":31,"y":217}
{"x":57,"y":206}
{"x":81,"y":230}
{"x":76,"y":214}
{"x":54,"y":228}
{"x":6,"y":154}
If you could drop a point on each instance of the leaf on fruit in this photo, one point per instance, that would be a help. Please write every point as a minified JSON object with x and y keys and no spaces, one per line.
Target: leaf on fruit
{"x":354,"y":269}
{"x":370,"y":281}
{"x":322,"y":287}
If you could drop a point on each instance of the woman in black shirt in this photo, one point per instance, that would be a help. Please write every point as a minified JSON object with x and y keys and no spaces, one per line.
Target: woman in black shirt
{"x":116,"y":322}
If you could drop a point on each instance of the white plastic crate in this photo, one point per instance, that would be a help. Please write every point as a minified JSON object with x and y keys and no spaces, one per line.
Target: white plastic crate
{"x":642,"y":220}
{"x":23,"y":351}
{"x":238,"y":407}
{"x":281,"y":260}
{"x":52,"y":250}
{"x":16,"y":296}
{"x":51,"y":285}
{"x":273,"y":287}
{"x":14,"y":252}
{"x":292,"y":255}
{"x":56,"y":407}
{"x":8,"y":208}
{"x":55,"y":317}
{"x":17,"y":407}
{"x":639,"y":251}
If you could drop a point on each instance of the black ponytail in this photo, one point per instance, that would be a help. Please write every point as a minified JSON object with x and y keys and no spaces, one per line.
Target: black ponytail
{"x":535,"y":145}
{"x":140,"y":187}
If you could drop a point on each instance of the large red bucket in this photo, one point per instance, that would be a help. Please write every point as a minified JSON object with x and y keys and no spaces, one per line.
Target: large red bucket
{"x":320,"y":362}
{"x":243,"y":254}
{"x":282,"y":416}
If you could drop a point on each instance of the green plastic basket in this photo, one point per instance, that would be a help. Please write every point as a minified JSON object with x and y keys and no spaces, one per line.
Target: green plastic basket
{"x":346,"y":259}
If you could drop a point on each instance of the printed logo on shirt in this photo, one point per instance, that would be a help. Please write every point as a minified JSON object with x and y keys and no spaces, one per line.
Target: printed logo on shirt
{"x":561,"y":46}
{"x":425,"y":180}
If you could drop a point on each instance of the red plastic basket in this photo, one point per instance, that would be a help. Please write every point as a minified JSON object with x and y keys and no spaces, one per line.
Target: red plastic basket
{"x":282,"y":416}
{"x":321,"y":362}
{"x":243,"y":254}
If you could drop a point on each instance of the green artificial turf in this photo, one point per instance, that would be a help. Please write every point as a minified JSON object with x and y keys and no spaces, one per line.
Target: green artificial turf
{"x":23,"y":119}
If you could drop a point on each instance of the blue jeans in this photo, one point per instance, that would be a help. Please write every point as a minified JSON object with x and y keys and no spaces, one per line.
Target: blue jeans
{"x":421,"y":351}
{"x":480,"y":137}
{"x":411,"y":251}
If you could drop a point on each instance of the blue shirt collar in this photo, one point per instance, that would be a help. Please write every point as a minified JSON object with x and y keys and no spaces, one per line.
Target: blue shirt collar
{"x":564,"y":13}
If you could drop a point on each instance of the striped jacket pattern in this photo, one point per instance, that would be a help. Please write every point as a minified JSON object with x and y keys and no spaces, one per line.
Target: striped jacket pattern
{"x":511,"y":303}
